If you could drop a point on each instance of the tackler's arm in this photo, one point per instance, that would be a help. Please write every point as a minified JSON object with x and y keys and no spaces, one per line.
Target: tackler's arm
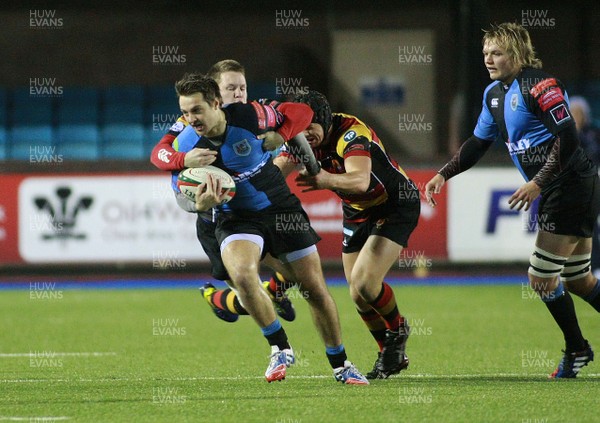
{"x":301,"y":151}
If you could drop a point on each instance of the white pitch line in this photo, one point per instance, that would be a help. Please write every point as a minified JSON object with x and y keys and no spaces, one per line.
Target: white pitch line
{"x":33,"y":418}
{"x":205,"y":378}
{"x":57,"y":354}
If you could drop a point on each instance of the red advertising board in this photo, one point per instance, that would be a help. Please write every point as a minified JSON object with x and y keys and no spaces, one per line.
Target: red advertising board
{"x":118,"y":226}
{"x":430,"y":237}
{"x":9,"y":219}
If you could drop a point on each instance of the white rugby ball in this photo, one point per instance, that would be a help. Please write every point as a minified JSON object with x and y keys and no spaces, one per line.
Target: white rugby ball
{"x":190,"y":179}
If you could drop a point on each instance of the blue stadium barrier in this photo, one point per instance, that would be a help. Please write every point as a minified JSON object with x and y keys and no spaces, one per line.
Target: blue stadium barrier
{"x":123,"y":141}
{"x":151,"y":138}
{"x":3,"y":144}
{"x":79,"y":141}
{"x":123,"y":105}
{"x":30,"y":109}
{"x":3,"y":108}
{"x":32,"y":143}
{"x":78,"y":106}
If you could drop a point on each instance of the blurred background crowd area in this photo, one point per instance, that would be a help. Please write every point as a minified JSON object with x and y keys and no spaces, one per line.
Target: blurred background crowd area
{"x":93,"y":83}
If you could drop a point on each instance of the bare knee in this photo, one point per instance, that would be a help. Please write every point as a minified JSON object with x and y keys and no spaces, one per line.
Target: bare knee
{"x":317,"y":294}
{"x":365,"y":285}
{"x":244,"y":278}
{"x":582,"y":286}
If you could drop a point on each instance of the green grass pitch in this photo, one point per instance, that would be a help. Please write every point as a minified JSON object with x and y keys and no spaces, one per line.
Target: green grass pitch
{"x":477,"y":354}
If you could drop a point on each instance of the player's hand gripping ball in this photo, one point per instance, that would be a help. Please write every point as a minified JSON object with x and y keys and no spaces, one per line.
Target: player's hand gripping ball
{"x":189,"y":180}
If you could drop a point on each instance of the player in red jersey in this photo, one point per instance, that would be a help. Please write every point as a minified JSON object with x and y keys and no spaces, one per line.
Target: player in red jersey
{"x":381,"y":208}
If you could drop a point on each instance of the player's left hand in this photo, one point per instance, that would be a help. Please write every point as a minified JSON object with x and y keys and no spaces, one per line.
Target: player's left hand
{"x":524,"y":196}
{"x":272,"y":140}
{"x":313,"y":182}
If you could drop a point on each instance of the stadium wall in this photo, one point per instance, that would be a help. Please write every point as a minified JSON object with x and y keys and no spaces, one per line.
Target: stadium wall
{"x":125,"y":218}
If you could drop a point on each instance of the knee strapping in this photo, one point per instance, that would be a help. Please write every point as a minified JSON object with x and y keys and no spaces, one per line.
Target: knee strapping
{"x":576,"y":267}
{"x":545,"y":265}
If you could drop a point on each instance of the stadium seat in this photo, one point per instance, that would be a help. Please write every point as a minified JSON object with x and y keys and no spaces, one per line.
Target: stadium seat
{"x":79,"y":141}
{"x":33,"y":143}
{"x":123,"y":105}
{"x":162,"y":111}
{"x":30,"y":109}
{"x":151,"y":138}
{"x":123,"y":141}
{"x":3,"y":108}
{"x":3,"y":121}
{"x":78,"y":106}
{"x":3,"y":144}
{"x":163,"y":98}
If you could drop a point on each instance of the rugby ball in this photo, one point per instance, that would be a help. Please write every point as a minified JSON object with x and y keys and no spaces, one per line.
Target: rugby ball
{"x":190,"y":179}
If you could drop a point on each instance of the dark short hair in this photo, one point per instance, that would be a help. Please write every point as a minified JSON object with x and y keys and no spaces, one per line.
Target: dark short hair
{"x":194,"y":83}
{"x":320,"y":107}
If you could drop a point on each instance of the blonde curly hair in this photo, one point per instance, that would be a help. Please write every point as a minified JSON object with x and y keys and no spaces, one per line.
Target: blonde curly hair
{"x":515,"y":40}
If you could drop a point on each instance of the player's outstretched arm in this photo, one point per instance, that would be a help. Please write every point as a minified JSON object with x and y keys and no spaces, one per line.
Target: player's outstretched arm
{"x":434,"y":186}
{"x":300,"y":149}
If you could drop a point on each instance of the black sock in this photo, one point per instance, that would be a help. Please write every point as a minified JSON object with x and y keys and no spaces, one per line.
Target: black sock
{"x":336,"y":356}
{"x":560,"y":304}
{"x":593,"y":298}
{"x":278,"y":338}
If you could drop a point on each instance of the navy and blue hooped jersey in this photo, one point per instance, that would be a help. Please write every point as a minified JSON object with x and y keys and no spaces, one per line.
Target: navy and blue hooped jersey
{"x":259,"y":183}
{"x":527,"y":116}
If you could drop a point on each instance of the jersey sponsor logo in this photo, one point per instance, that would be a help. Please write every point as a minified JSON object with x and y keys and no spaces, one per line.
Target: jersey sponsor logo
{"x":242,"y":148}
{"x":495,"y":102}
{"x":177,"y":127}
{"x":241,"y":177}
{"x":349,"y":136}
{"x":542,"y":86}
{"x":550,"y":98}
{"x":560,"y":114}
{"x":519,"y":146}
{"x":163,"y":155}
{"x":514,"y":102}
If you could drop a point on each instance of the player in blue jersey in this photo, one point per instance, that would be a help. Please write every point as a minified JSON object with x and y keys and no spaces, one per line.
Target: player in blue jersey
{"x":230,"y":76}
{"x":263,"y":217}
{"x":528,"y":110}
